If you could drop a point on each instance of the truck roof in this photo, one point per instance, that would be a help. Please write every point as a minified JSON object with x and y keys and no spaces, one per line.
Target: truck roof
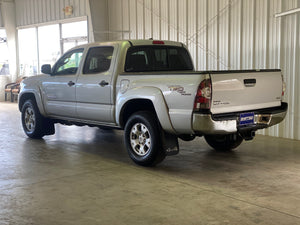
{"x":133,"y":43}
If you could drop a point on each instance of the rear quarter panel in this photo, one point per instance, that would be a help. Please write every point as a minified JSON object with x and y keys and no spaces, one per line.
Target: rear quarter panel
{"x":178,"y":90}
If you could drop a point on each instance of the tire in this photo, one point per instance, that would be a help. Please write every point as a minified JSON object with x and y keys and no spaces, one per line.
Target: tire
{"x":143,"y":139}
{"x":187,"y":137}
{"x":34,"y":124}
{"x":224,"y":142}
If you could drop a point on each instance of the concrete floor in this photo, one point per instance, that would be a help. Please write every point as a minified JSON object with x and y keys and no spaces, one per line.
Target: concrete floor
{"x":83,"y":175}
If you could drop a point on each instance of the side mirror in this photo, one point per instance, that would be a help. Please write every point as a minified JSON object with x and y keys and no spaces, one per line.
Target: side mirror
{"x":46,"y":69}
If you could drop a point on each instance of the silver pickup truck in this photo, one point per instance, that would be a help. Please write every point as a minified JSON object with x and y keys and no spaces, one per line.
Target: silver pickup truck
{"x":150,"y":89}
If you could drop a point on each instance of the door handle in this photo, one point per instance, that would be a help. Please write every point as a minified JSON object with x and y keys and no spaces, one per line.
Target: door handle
{"x":103,"y":83}
{"x":71,"y":83}
{"x":249,"y":82}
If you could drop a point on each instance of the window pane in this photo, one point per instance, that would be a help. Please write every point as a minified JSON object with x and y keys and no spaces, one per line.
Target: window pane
{"x":49,"y":44}
{"x":157,"y":58}
{"x":69,"y":63}
{"x":98,"y":60}
{"x":4,"y":66}
{"x":28,"y":52}
{"x":76,"y":29}
{"x":74,"y":34}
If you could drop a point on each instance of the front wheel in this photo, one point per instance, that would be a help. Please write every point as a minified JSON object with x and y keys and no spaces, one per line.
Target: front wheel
{"x":224,"y":142}
{"x":34,"y":124}
{"x":143,"y":140}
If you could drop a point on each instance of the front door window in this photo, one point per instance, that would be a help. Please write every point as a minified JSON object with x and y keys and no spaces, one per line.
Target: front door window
{"x":69,"y":63}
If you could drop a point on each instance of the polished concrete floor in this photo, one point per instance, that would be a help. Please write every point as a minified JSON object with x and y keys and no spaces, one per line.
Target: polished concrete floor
{"x":83,"y":175}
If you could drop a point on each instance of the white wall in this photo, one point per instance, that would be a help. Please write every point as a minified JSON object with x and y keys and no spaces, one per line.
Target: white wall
{"x":223,"y":34}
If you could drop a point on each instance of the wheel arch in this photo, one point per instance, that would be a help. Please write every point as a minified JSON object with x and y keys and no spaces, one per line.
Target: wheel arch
{"x":143,"y":99}
{"x":135,"y":105}
{"x":33,"y":96}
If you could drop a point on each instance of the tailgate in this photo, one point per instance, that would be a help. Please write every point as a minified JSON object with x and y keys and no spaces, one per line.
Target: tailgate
{"x":245,"y":91}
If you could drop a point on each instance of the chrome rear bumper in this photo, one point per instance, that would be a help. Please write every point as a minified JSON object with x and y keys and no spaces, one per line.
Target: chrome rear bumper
{"x":228,"y":123}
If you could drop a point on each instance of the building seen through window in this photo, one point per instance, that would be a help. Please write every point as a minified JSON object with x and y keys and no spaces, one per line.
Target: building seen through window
{"x":37,"y":47}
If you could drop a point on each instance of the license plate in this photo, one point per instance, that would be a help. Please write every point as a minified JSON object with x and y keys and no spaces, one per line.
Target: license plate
{"x":246,"y":118}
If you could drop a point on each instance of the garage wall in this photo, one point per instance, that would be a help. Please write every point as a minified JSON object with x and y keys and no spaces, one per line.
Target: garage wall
{"x":222,"y":34}
{"x":1,"y":20}
{"x":29,"y":12}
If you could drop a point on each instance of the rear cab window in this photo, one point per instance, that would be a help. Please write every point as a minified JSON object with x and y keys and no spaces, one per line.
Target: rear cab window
{"x":157,"y":58}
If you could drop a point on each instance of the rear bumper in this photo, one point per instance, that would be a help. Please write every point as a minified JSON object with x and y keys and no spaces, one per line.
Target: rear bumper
{"x":228,"y":123}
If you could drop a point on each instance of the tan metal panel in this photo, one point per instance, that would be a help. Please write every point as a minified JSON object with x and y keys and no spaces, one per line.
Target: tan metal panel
{"x":213,"y":35}
{"x":201,"y":38}
{"x":235,"y":35}
{"x":125,"y":21}
{"x":192,"y":27}
{"x":173,"y":20}
{"x":31,"y":12}
{"x":164,"y":19}
{"x":223,"y":14}
{"x":132,"y":19}
{"x":248,"y":21}
{"x":115,"y":19}
{"x":148,"y":17}
{"x":182,"y":21}
{"x":1,"y":20}
{"x":141,"y":19}
{"x":273,"y":49}
{"x":156,"y":19}
{"x":289,"y":48}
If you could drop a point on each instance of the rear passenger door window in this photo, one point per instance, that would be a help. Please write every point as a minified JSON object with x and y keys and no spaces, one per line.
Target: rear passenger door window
{"x":98,"y":60}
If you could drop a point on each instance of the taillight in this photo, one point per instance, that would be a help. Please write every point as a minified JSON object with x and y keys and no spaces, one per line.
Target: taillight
{"x":203,"y":96}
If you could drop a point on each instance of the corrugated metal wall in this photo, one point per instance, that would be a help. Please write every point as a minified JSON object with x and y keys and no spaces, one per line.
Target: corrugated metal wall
{"x":1,"y":20}
{"x":29,"y":12}
{"x":223,"y":34}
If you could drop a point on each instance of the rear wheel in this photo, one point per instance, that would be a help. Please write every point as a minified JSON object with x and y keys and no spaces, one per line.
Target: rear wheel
{"x":224,"y":142}
{"x":34,"y":124}
{"x":143,"y":139}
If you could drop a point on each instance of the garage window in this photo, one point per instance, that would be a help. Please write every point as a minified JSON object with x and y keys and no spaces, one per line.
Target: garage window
{"x":4,"y":66}
{"x":49,"y":47}
{"x":28,"y":56}
{"x":45,"y":44}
